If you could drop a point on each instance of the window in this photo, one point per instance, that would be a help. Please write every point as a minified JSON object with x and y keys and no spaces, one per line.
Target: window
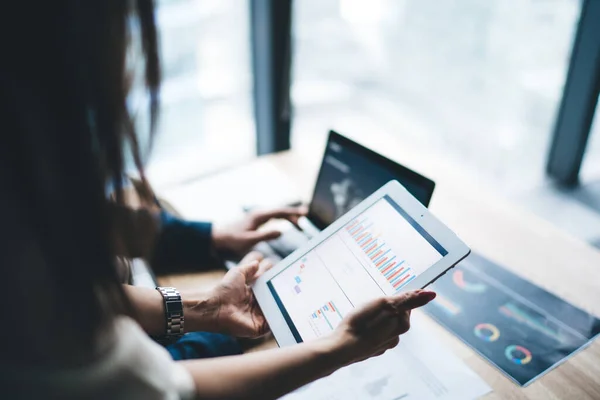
{"x":474,"y":81}
{"x":206,"y":102}
{"x":591,"y":161}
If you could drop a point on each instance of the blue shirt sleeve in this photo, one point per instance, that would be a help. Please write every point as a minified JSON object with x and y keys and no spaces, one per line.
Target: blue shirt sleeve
{"x":181,"y":244}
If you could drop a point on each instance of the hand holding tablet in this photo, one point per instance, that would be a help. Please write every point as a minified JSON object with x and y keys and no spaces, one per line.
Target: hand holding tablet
{"x":375,"y":327}
{"x":387,"y":245}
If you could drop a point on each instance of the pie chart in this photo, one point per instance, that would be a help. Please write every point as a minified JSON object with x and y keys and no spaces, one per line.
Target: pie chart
{"x":518,"y":354}
{"x":487,"y":332}
{"x":473,"y":287}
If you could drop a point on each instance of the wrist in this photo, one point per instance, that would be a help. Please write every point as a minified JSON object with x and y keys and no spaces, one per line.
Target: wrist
{"x":200,"y":310}
{"x":333,"y":351}
{"x":173,"y":312}
{"x":219,"y":239}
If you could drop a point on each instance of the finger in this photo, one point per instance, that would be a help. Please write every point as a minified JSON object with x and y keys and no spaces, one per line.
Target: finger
{"x":253,"y":326}
{"x":263,"y":327}
{"x":302,"y":210}
{"x":258,"y":320}
{"x":385,"y":350}
{"x":411,"y":300}
{"x":263,"y":267}
{"x":393,"y":307}
{"x":378,"y":353}
{"x":296,"y":219}
{"x":254,"y":237}
{"x":248,"y":271}
{"x":252,"y":256}
{"x":260,"y":217}
{"x":390,"y":344}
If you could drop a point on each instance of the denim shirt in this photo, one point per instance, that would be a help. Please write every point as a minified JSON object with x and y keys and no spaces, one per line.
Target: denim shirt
{"x":182,"y":244}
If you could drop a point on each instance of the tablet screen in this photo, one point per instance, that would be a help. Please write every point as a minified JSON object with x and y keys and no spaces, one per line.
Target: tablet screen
{"x":377,"y":253}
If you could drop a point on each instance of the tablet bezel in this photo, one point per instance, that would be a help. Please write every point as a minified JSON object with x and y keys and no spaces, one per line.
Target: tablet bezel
{"x":456,"y":248}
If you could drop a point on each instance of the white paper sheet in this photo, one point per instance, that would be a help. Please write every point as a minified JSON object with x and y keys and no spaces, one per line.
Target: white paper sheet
{"x":420,"y":367}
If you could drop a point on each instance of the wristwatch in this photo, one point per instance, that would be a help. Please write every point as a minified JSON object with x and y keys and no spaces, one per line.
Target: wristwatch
{"x":173,"y":312}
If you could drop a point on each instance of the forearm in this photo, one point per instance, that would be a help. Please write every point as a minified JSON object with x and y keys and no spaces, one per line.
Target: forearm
{"x":199,"y":310}
{"x":149,"y":308}
{"x":267,"y":374}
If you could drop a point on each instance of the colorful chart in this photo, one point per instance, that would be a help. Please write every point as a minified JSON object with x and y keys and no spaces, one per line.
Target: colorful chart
{"x":298,"y":278}
{"x":325,"y":319}
{"x":395,"y":271}
{"x":521,"y":328}
{"x":458,"y":277}
{"x":532,"y":320}
{"x":487,"y":332}
{"x":518,"y":354}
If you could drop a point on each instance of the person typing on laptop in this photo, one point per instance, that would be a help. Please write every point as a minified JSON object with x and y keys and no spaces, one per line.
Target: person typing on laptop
{"x":193,"y":245}
{"x":171,"y":244}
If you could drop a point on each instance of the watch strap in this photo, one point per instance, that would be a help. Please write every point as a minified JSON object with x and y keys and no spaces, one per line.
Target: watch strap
{"x":173,"y":311}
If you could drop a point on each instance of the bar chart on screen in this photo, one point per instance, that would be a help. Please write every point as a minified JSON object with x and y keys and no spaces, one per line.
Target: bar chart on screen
{"x":298,"y":276}
{"x":382,"y":258}
{"x":325,"y":319}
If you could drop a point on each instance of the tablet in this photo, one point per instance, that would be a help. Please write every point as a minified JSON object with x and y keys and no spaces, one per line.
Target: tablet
{"x":387,"y":244}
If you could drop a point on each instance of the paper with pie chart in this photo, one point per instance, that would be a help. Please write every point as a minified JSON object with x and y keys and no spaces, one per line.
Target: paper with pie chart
{"x":522,"y":329}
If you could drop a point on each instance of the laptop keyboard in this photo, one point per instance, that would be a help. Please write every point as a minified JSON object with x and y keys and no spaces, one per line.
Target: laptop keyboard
{"x":288,"y":242}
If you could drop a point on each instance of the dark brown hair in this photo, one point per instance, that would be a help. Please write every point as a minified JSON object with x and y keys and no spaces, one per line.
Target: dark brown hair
{"x":65,"y":125}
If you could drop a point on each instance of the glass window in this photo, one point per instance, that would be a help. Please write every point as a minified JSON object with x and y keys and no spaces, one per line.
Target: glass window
{"x":206,"y":105}
{"x":475,"y":81}
{"x":591,"y":162}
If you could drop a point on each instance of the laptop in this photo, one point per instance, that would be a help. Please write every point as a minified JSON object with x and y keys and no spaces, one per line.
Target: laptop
{"x":349,"y":173}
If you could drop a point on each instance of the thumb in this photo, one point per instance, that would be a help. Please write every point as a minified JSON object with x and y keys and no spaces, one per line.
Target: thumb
{"x":252,"y":256}
{"x":253,"y":237}
{"x":248,"y":271}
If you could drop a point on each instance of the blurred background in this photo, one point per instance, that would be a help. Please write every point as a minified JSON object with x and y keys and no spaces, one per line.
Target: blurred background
{"x":475,"y":84}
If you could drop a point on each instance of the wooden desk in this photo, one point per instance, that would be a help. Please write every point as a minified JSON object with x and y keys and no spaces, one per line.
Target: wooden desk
{"x":531,"y":247}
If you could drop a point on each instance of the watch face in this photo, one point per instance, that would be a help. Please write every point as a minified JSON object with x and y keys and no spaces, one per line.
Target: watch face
{"x":174,"y":306}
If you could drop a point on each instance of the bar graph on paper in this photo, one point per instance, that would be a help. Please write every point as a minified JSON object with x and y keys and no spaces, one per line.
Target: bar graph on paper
{"x":325,"y":319}
{"x":394,"y":269}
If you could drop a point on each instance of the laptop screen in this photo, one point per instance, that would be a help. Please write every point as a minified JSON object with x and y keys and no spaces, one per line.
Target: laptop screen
{"x":350,"y":172}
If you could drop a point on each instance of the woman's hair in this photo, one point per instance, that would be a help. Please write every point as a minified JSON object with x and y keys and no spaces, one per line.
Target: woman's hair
{"x":64,"y":127}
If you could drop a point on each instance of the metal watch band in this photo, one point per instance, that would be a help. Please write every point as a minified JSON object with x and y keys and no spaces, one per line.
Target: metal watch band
{"x":173,"y":311}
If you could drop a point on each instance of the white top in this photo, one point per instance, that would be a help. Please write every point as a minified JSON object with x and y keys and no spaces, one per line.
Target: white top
{"x":134,"y":367}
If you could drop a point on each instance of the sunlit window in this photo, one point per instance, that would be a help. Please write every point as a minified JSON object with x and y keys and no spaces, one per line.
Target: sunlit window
{"x":475,"y":81}
{"x":206,"y":115}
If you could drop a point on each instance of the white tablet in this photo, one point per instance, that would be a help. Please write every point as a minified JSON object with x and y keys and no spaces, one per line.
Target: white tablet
{"x":387,"y":244}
